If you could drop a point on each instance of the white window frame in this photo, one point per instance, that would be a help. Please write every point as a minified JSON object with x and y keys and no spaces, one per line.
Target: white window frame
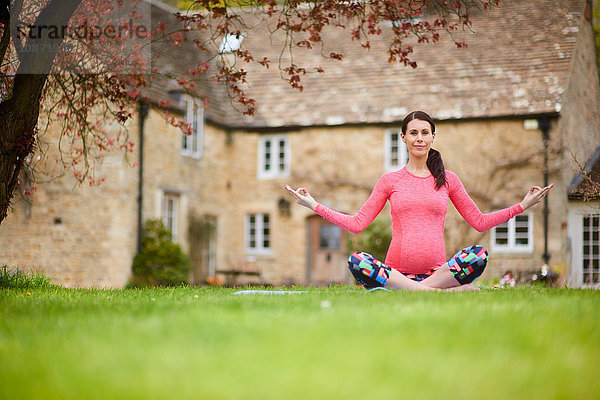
{"x":259,"y":237}
{"x":390,"y":164}
{"x":512,"y":246}
{"x":575,"y":232}
{"x":193,"y":145}
{"x":169,"y":213}
{"x":275,"y":171}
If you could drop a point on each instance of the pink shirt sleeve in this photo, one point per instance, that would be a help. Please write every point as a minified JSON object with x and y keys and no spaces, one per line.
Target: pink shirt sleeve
{"x":366,"y":214}
{"x":467,"y":208}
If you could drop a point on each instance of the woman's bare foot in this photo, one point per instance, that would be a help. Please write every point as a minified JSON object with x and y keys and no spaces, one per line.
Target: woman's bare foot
{"x":464,"y":288}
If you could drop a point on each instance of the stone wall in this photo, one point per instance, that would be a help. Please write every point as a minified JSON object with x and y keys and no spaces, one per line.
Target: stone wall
{"x":81,"y":236}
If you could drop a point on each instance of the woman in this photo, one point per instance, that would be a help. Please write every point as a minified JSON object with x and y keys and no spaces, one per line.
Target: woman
{"x":419,"y":195}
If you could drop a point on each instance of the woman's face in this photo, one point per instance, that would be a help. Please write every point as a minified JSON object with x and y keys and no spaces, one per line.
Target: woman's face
{"x":418,"y":138}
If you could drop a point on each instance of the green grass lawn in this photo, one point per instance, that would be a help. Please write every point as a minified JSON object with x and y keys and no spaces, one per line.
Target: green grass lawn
{"x":336,"y":343}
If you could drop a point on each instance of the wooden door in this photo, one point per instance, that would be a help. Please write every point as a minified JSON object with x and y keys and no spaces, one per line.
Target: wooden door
{"x":327,"y":256}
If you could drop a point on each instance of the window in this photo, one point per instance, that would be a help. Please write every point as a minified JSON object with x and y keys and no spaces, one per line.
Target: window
{"x":591,"y":249}
{"x":170,"y":213}
{"x":584,"y":245}
{"x":515,"y":235}
{"x":258,"y":233}
{"x":194,"y":115}
{"x":274,"y":156}
{"x":329,"y":237}
{"x":396,"y":154}
{"x":230,"y":43}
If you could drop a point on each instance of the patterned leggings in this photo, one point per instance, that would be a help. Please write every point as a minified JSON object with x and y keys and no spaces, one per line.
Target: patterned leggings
{"x":466,"y":266}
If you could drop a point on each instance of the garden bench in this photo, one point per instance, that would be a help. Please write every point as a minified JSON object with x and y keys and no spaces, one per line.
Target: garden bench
{"x":241,"y":266}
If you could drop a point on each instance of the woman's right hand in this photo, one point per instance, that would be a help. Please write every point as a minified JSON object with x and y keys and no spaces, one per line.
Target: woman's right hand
{"x":303,"y":197}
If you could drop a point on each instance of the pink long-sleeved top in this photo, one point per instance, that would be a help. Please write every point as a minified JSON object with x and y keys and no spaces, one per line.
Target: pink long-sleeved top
{"x":418,"y":215}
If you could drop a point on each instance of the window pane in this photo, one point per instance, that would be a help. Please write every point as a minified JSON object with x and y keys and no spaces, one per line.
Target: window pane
{"x":394,"y":156}
{"x":521,"y":241}
{"x":266,"y":232}
{"x":281,"y":155}
{"x":252,"y":231}
{"x":329,"y":237}
{"x":194,"y":136}
{"x":169,"y":213}
{"x":267,"y":155}
{"x":521,"y":230}
{"x":522,"y":220}
{"x":394,"y":150}
{"x":502,"y":234}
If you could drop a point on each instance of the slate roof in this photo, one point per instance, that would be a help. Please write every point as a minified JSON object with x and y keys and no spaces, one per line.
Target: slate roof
{"x":587,"y":187}
{"x":517,"y":64}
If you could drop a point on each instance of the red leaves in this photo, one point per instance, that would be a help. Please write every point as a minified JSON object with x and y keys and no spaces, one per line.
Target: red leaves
{"x":294,"y":72}
{"x":336,"y":56}
{"x":200,"y":69}
{"x":264,"y":62}
{"x":244,"y":55}
{"x":116,"y":94}
{"x":186,"y":83}
{"x":178,"y":38}
{"x":304,"y":43}
{"x":233,"y":79}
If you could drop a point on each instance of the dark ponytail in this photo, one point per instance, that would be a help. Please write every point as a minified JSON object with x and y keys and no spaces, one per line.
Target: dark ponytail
{"x":436,"y":167}
{"x":434,"y":158}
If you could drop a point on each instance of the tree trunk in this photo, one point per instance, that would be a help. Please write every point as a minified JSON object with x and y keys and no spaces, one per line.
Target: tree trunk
{"x":19,"y":113}
{"x":17,"y":137}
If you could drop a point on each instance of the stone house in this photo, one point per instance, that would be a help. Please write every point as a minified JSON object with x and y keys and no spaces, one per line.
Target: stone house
{"x":518,"y":107}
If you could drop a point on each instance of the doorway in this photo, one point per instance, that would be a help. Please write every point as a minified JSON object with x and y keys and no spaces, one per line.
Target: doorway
{"x":327,"y":255}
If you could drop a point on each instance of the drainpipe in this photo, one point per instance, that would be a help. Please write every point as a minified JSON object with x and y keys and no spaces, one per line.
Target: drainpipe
{"x":143,"y":113}
{"x":544,"y":123}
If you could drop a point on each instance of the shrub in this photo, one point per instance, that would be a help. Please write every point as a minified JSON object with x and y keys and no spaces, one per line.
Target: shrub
{"x":160,"y":261}
{"x":21,"y":280}
{"x":375,"y":239}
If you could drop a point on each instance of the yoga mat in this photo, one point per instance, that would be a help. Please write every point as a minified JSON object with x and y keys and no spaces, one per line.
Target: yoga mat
{"x":280,"y":292}
{"x":270,"y":292}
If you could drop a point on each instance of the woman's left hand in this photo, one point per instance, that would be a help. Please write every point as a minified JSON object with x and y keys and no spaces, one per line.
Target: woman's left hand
{"x":534,"y":196}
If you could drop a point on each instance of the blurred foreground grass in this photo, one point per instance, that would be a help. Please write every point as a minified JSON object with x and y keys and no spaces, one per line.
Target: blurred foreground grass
{"x":335,"y":343}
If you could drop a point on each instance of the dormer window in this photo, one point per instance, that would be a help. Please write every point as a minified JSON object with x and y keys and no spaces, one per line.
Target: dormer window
{"x":231,"y":42}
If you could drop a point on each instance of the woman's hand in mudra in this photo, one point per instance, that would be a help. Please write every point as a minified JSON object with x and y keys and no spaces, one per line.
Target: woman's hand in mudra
{"x":302,"y":197}
{"x":535,"y":195}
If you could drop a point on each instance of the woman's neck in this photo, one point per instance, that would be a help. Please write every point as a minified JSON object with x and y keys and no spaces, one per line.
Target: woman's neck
{"x":418,"y":167}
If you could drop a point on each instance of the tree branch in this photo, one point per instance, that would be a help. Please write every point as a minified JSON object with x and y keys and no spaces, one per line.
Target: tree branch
{"x":4,"y":42}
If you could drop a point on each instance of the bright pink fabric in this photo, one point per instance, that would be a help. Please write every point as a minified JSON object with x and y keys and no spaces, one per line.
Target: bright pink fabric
{"x":418,"y":215}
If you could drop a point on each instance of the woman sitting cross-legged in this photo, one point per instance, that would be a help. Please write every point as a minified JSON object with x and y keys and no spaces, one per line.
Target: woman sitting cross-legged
{"x":418,"y":194}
